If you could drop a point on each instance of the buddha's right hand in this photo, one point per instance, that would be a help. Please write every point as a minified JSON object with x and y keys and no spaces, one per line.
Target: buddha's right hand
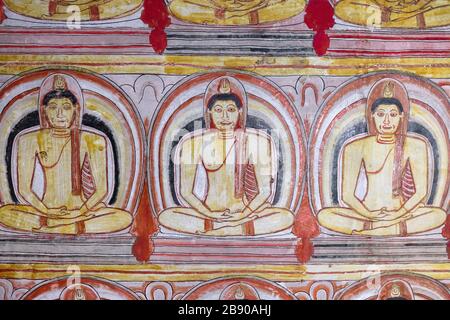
{"x":219,"y":215}
{"x":57,"y":212}
{"x":376,"y":214}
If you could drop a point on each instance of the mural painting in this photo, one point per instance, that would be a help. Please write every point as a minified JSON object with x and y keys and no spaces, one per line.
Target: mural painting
{"x":217,"y":150}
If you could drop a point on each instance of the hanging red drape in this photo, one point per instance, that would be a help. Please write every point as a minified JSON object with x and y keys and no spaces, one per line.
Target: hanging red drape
{"x":446,"y":234}
{"x":446,"y":229}
{"x":305,"y":228}
{"x":156,"y":15}
{"x":319,"y":17}
{"x":2,"y":12}
{"x":144,"y":226}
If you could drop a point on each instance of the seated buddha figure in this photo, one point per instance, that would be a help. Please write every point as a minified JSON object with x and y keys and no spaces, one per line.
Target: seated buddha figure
{"x":395,"y":13}
{"x":74,"y":166}
{"x":235,"y":12}
{"x":239,"y":168}
{"x":396,"y":166}
{"x":62,"y":10}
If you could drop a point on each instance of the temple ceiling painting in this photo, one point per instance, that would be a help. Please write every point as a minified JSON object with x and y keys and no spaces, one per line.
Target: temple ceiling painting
{"x":224,"y":150}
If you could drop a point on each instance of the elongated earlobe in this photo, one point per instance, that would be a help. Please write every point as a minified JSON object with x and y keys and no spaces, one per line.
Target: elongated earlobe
{"x":76,"y":116}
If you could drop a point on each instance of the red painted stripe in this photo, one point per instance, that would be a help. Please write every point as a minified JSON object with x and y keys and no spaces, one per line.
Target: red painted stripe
{"x":226,"y":256}
{"x":238,"y":244}
{"x":147,"y":32}
{"x":73,"y":32}
{"x":37,"y":46}
{"x":389,"y":37}
{"x":384,"y":53}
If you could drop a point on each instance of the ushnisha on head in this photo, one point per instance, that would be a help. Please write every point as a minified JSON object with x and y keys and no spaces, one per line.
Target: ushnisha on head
{"x":396,"y":290}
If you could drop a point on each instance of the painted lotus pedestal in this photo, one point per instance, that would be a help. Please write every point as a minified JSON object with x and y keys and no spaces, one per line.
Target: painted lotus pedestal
{"x":233,"y":163}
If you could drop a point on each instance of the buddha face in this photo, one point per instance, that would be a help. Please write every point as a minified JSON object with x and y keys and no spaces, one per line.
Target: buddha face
{"x":387,"y":118}
{"x":225,"y":114}
{"x":60,"y":113}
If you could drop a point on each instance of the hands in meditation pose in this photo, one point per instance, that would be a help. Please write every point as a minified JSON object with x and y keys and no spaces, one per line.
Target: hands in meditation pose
{"x":235,"y":12}
{"x":62,"y":10}
{"x":74,"y":163}
{"x":395,"y":13}
{"x":239,"y":167}
{"x":396,"y":165}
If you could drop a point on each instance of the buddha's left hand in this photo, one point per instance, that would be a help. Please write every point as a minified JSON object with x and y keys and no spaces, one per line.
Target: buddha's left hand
{"x":73,"y":214}
{"x":235,"y":223}
{"x":396,"y":214}
{"x":237,"y":216}
{"x":234,"y":216}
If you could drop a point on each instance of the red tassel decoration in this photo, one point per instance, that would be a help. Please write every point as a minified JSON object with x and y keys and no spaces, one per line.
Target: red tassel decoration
{"x":305,"y":225}
{"x":144,"y":226}
{"x":446,"y":228}
{"x":319,"y":17}
{"x":304,"y":250}
{"x":156,"y":16}
{"x":305,"y":228}
{"x":448,"y":249}
{"x":2,"y":12}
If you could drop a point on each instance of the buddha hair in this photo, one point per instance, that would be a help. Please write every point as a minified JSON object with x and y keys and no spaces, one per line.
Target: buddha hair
{"x":224,"y":96}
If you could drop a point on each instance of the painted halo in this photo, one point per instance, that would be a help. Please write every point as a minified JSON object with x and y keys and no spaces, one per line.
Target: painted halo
{"x":92,"y":288}
{"x":407,"y":286}
{"x":239,"y":288}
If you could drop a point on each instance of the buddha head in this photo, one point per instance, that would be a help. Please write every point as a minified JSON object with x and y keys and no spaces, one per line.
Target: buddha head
{"x":61,"y":102}
{"x":387,"y":107}
{"x":79,"y":292}
{"x":239,"y":291}
{"x":225,"y":105}
{"x":396,"y":290}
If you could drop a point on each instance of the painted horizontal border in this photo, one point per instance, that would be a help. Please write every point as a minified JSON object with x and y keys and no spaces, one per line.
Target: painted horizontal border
{"x":191,"y":272}
{"x":269,"y":66}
